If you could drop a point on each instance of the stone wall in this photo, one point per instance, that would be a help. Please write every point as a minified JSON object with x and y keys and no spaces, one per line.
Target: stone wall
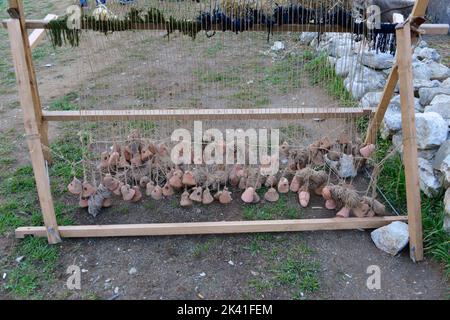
{"x":439,"y":11}
{"x":365,"y":74}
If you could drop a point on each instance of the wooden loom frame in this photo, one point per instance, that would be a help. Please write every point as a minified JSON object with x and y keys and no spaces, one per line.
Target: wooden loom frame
{"x":36,"y":126}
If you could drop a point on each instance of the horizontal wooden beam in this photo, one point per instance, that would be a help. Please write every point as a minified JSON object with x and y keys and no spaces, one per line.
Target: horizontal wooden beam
{"x":204,"y":114}
{"x":430,"y":29}
{"x":37,"y":34}
{"x":434,"y":29}
{"x":222,"y":227}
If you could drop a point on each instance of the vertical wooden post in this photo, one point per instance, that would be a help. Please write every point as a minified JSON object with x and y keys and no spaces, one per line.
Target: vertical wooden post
{"x":17,"y":7}
{"x":404,"y":60}
{"x":24,"y":84}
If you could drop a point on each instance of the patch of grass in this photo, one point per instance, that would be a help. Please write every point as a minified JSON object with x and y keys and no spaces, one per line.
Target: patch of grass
{"x":229,"y":77}
{"x":212,"y":51}
{"x":37,"y":268}
{"x":6,"y":149}
{"x":258,"y":243}
{"x":250,"y":97}
{"x":268,"y":211}
{"x":65,"y":103}
{"x":260,"y":285}
{"x":292,"y":269}
{"x":321,"y":72}
{"x":200,"y":249}
{"x":392,"y":183}
{"x":281,"y":75}
{"x":299,"y":273}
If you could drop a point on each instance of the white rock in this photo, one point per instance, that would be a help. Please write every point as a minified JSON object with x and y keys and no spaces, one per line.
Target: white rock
{"x":391,"y":238}
{"x":337,"y":44}
{"x":377,"y":61}
{"x":446,"y":83}
{"x":447,"y":202}
{"x":447,"y":223}
{"x":307,"y":37}
{"x":427,"y":154}
{"x":371,"y":100}
{"x":277,"y":46}
{"x":393,"y":118}
{"x":397,"y":142}
{"x":427,"y":94}
{"x":445,"y":170}
{"x":363,"y":80}
{"x":431,"y":129}
{"x":395,"y":102}
{"x":424,"y":53}
{"x":440,"y":104}
{"x":20,"y":259}
{"x":332,"y":61}
{"x":116,"y":290}
{"x":428,"y":182}
{"x":438,"y":70}
{"x":132,"y":271}
{"x":423,"y":83}
{"x":421,"y":71}
{"x":203,"y":274}
{"x":231,"y":263}
{"x":344,"y":167}
{"x":344,"y":65}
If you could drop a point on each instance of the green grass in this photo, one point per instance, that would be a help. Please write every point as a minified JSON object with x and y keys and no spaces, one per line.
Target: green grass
{"x":250,"y":97}
{"x":6,"y":149}
{"x":201,"y":249}
{"x":291,"y":268}
{"x":213,"y":50}
{"x":281,"y":75}
{"x":230,"y":77}
{"x":19,"y":206}
{"x":321,"y":72}
{"x":268,"y":211}
{"x":37,"y":268}
{"x":392,"y":183}
{"x":65,"y":103}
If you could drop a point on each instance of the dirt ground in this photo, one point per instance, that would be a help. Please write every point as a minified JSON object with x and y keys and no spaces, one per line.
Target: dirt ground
{"x":207,"y":267}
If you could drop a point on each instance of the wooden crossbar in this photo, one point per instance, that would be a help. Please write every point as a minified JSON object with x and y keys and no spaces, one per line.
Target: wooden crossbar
{"x":204,"y":114}
{"x":221,"y":227}
{"x":430,"y":29}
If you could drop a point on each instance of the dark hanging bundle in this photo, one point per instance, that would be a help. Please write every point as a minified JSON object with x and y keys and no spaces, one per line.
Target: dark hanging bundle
{"x":60,"y":33}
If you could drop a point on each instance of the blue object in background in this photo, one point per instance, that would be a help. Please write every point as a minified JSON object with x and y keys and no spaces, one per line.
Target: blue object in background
{"x":84,"y":3}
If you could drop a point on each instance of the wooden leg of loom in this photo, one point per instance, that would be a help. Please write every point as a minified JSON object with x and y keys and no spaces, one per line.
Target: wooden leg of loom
{"x":24,"y":83}
{"x":404,"y":57}
{"x":42,"y":126}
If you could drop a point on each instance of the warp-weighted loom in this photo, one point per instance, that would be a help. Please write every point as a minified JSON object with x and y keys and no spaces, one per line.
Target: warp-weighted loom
{"x":202,"y":92}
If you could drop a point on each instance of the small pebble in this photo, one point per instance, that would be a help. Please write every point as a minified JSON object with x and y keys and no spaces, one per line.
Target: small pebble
{"x":132,"y":271}
{"x":116,"y":290}
{"x":231,"y":263}
{"x":202,"y":274}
